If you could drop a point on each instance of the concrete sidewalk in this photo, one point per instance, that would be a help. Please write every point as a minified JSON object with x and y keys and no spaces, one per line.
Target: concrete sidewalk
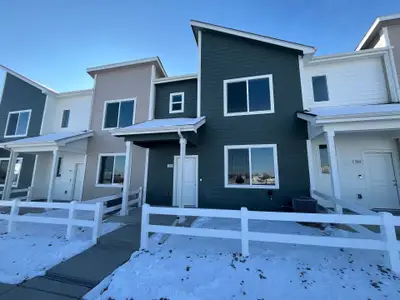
{"x":73,"y":278}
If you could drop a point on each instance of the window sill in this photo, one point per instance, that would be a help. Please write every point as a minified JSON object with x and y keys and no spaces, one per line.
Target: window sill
{"x":262,"y":187}
{"x":109,"y":185}
{"x":177,"y":112}
{"x":263,"y":112}
{"x":15,"y":136}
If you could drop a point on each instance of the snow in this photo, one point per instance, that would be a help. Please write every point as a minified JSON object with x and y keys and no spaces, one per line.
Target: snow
{"x":32,"y":249}
{"x":161,"y":124}
{"x":188,"y":268}
{"x":48,"y":138}
{"x":356,"y":109}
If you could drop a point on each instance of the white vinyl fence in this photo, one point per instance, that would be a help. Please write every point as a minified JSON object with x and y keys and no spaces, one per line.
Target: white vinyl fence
{"x":387,"y":242}
{"x":28,"y":192}
{"x":70,"y":222}
{"x":135,"y":197}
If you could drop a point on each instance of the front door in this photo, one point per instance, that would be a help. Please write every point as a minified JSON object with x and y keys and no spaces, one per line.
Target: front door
{"x":78,"y":182}
{"x":381,"y":180}
{"x":189,"y":181}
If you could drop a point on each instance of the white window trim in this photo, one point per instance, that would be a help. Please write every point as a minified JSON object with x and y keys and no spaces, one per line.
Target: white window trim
{"x":250,"y":186}
{"x":62,"y":117}
{"x":171,"y":111}
{"x":27,"y":126}
{"x":327,"y":89}
{"x":246,"y":79}
{"x":8,"y":159}
{"x":113,"y":185}
{"x":113,"y":101}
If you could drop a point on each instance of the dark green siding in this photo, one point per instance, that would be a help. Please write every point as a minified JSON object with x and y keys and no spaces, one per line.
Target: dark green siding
{"x":189,"y":87}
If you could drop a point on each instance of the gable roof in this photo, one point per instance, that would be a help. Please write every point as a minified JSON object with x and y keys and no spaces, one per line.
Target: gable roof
{"x":93,"y":70}
{"x":196,"y":25}
{"x":376,"y":27}
{"x":36,"y":84}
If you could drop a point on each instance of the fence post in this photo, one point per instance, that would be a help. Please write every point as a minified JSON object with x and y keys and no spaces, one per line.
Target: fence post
{"x":71,"y":217}
{"x":98,"y":220}
{"x":29,"y":194}
{"x":144,"y":234}
{"x":389,"y":237}
{"x":13,"y":214}
{"x":244,"y":218}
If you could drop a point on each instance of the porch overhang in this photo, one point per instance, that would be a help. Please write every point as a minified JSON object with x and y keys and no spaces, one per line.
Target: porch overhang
{"x":354,"y":118}
{"x":161,"y":130}
{"x":49,"y":142}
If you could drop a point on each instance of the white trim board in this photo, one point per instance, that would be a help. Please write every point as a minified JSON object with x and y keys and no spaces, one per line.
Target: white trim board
{"x":251,"y":186}
{"x":182,"y":103}
{"x":265,"y":39}
{"x":175,"y":78}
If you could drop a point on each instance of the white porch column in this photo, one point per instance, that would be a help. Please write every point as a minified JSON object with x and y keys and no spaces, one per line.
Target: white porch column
{"x":182,"y":142}
{"x":127,"y":178}
{"x":330,"y":141}
{"x":10,"y":176}
{"x":52,"y":176}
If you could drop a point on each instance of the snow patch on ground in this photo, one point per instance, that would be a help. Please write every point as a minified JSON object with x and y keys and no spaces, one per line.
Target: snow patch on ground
{"x":32,"y":248}
{"x":188,"y":268}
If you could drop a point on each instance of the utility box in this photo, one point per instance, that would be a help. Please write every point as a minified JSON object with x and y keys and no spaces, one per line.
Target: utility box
{"x":304,"y":205}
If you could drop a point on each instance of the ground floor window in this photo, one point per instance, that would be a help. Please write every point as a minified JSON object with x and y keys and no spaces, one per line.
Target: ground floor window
{"x":3,"y":171}
{"x":111,"y":169}
{"x":251,"y":166}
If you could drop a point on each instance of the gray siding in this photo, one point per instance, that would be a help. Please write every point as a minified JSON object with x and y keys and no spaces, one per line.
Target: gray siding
{"x":227,"y":57}
{"x":19,"y":95}
{"x":189,"y":87}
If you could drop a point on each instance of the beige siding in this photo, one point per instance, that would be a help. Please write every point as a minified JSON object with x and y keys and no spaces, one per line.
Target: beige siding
{"x":394,"y":37}
{"x":132,"y":82}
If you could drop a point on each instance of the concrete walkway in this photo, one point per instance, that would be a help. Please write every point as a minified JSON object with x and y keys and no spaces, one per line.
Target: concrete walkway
{"x":73,"y":278}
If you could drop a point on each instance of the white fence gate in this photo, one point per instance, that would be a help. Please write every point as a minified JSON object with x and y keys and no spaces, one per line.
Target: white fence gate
{"x":71,"y":221}
{"x":387,"y":222}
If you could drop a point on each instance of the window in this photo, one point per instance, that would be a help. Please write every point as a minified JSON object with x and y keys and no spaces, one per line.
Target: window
{"x":3,"y":171}
{"x":118,"y":113}
{"x":65,"y":118}
{"x":59,"y":163}
{"x":248,"y":96}
{"x":320,"y":88}
{"x":111,"y":168}
{"x":324,"y":159}
{"x":17,"y":123}
{"x":176,"y":103}
{"x":251,"y":166}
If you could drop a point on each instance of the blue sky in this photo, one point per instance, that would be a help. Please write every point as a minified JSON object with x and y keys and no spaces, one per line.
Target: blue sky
{"x":54,"y":41}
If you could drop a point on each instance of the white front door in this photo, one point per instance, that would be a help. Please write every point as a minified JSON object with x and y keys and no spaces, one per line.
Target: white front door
{"x":189,"y":181}
{"x":78,"y":182}
{"x":381,"y":180}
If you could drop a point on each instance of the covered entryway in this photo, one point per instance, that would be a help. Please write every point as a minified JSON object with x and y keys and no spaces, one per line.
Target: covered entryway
{"x":169,"y":180}
{"x":190,"y":179}
{"x":59,"y":164}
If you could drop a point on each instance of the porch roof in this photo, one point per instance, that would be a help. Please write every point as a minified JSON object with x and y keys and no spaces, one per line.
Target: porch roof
{"x":323,"y":115}
{"x":52,"y":139}
{"x":161,"y":126}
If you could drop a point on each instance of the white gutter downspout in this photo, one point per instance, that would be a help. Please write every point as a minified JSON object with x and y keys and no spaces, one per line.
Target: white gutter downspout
{"x":182,"y":142}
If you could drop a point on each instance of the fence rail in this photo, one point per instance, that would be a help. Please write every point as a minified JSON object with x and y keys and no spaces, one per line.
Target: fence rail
{"x":71,"y":221}
{"x":387,"y":241}
{"x":27,"y":190}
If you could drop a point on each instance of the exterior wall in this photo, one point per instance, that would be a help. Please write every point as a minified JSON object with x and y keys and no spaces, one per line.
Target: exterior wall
{"x":394,"y":37}
{"x":80,"y":111}
{"x":381,"y":42}
{"x":227,"y":57}
{"x":349,"y":147}
{"x":189,"y":87}
{"x":124,"y":83}
{"x":19,"y":95}
{"x":350,"y":82}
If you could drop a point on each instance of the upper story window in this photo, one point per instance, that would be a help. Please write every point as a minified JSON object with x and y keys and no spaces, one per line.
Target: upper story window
{"x":176,"y":103}
{"x":251,"y":166}
{"x":3,"y":171}
{"x":320,"y":88}
{"x":18,"y":123}
{"x":65,"y":118}
{"x":248,"y":96}
{"x":119,"y":113}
